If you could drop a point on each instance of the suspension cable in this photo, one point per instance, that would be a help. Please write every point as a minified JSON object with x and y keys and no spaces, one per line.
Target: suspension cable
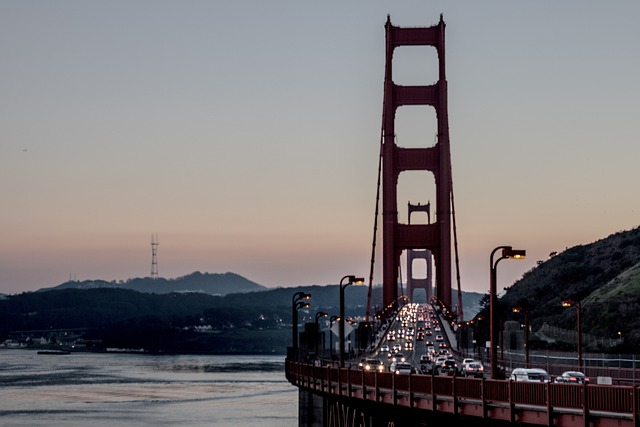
{"x":455,"y":245}
{"x":375,"y":226}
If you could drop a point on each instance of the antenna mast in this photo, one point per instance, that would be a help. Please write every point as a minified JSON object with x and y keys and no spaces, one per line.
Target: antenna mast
{"x":154,"y":256}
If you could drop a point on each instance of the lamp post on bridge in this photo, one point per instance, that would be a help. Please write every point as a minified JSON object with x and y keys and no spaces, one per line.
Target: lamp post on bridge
{"x":578,"y":306}
{"x":297,"y":304}
{"x":350,"y":281}
{"x":318,"y":316}
{"x":507,"y":252}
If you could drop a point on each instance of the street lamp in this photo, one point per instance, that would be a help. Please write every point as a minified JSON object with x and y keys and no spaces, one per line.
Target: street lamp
{"x":507,"y":252}
{"x":350,"y":281}
{"x":332,"y":320}
{"x":296,"y":300}
{"x":578,"y":306}
{"x":526,"y":332}
{"x":318,"y":316}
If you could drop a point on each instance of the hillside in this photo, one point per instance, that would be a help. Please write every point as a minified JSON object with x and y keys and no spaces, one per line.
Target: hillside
{"x":604,"y":276}
{"x":208,"y":283}
{"x":176,"y":322}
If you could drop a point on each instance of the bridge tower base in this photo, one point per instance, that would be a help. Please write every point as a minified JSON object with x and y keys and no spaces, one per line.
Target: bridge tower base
{"x":311,"y":409}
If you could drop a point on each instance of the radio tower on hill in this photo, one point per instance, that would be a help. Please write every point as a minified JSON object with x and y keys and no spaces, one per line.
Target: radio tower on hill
{"x":154,"y":256}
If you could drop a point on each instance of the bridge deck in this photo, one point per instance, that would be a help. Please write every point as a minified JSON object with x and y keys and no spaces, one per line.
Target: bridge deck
{"x":514,"y":402}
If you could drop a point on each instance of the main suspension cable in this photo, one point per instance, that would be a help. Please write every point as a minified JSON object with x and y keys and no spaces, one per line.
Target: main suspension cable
{"x":375,"y":226}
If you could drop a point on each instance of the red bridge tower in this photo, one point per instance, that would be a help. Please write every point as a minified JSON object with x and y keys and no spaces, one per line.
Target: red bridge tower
{"x":435,"y":236}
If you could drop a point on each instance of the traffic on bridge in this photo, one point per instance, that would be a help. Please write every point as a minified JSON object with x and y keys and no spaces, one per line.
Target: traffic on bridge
{"x":410,"y":372}
{"x":417,"y":341}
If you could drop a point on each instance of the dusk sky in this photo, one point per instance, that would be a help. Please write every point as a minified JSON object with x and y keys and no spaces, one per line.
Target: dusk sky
{"x":246,"y":134}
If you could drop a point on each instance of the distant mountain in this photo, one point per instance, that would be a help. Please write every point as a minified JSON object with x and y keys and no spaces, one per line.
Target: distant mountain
{"x":470,"y":303}
{"x":208,"y":283}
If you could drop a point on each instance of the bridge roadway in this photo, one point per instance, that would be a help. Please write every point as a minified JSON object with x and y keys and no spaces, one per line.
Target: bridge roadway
{"x":354,"y":397}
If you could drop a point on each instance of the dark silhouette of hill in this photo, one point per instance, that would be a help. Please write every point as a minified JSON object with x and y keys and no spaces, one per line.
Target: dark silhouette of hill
{"x":253,"y":322}
{"x":604,"y":276}
{"x":208,"y":283}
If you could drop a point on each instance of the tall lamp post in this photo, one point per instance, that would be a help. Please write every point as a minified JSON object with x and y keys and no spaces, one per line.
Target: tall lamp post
{"x":526,"y":332}
{"x":332,"y":320}
{"x":507,"y":252}
{"x":318,"y":316}
{"x":578,"y":306}
{"x":297,"y":304}
{"x":350,"y":280}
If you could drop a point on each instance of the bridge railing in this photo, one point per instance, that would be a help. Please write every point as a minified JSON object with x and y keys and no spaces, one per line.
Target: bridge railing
{"x":613,"y":400}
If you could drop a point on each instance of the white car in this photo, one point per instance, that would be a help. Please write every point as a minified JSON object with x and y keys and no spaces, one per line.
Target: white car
{"x":473,"y":369}
{"x":439,"y":360}
{"x":401,"y":368}
{"x":385,"y":348}
{"x":529,"y":375}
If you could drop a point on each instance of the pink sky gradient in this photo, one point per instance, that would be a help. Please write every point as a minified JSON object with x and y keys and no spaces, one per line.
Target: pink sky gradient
{"x":245,"y":134}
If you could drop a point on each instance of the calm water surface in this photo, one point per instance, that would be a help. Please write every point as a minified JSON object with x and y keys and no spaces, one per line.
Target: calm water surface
{"x":87,"y":389}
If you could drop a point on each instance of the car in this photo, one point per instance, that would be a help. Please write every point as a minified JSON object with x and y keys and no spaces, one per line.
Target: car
{"x":572,"y":377}
{"x":397,"y":348}
{"x":473,"y":369}
{"x":448,"y":366}
{"x":408,"y":345}
{"x":425,"y":359}
{"x":371,"y":365}
{"x":439,"y":360}
{"x":529,"y":375}
{"x":398,"y":357}
{"x":431,"y":349}
{"x":385,"y":348}
{"x":402,"y":368}
{"x":439,"y":338}
{"x":467,"y":360}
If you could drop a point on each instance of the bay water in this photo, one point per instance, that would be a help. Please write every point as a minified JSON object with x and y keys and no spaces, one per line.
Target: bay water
{"x":106,"y":389}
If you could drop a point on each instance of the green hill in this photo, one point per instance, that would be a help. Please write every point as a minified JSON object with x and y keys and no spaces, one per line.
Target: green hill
{"x":604,"y":276}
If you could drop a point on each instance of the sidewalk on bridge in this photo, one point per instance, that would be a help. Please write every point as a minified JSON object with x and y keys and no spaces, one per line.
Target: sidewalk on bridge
{"x":451,"y":335}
